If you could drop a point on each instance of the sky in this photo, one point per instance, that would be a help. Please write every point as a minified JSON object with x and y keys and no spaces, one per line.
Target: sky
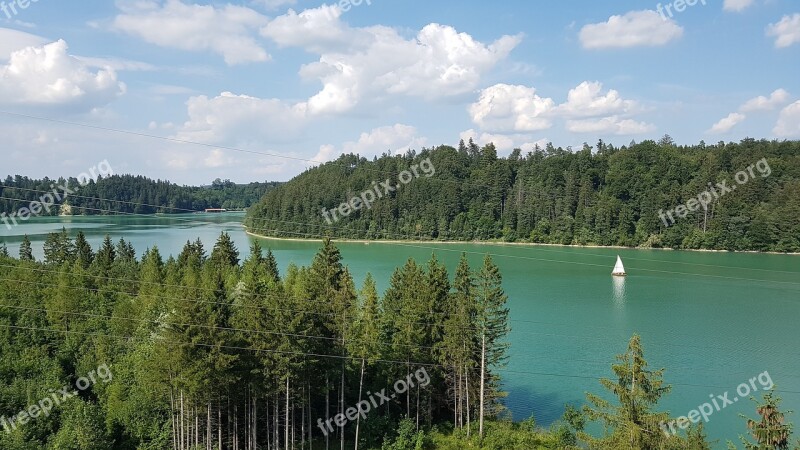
{"x":260,"y":90}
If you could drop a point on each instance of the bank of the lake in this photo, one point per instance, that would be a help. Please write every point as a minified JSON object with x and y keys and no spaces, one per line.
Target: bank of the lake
{"x":713,"y":320}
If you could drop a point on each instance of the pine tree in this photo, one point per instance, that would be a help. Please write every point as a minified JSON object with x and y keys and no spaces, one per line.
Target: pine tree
{"x":225,"y":253}
{"x":365,"y":343}
{"x":25,"y":250}
{"x":59,"y":248}
{"x":84,"y":252}
{"x":632,"y":423}
{"x":4,"y":251}
{"x":770,"y":430}
{"x":493,"y":326}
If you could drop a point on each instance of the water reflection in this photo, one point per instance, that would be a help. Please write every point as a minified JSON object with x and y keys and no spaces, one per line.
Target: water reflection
{"x":619,"y":290}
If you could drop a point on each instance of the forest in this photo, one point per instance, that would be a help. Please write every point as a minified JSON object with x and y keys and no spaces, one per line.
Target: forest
{"x":212,"y":351}
{"x":128,"y":194}
{"x":597,"y":195}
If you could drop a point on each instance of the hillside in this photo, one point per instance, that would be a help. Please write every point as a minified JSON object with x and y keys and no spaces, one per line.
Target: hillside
{"x":602,"y":195}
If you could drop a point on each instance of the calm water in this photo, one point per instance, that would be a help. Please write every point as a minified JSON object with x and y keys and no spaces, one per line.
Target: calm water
{"x":714,"y":320}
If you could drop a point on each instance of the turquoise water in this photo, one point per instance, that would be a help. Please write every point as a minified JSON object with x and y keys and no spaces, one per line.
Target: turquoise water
{"x":713,"y":320}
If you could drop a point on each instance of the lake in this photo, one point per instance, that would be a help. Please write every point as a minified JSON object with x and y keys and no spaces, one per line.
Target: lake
{"x":713,"y":320}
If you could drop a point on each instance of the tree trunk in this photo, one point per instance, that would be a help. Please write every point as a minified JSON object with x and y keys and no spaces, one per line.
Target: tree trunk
{"x":286,"y":431}
{"x":483,"y":382}
{"x":360,"y":390}
{"x":327,"y":410}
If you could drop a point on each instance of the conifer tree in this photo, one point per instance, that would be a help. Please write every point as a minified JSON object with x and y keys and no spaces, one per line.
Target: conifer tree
{"x":493,"y":325}
{"x":632,"y":423}
{"x":25,"y":250}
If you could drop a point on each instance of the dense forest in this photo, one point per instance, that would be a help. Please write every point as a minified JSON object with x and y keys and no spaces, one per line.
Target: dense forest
{"x":127,"y":194}
{"x":600,"y":195}
{"x":212,"y":352}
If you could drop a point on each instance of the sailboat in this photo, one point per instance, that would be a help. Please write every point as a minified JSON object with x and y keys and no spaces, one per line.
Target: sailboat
{"x":619,"y":269}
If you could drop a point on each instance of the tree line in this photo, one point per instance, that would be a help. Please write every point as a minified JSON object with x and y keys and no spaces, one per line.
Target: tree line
{"x":128,"y":194}
{"x":601,"y":195}
{"x":209,"y":351}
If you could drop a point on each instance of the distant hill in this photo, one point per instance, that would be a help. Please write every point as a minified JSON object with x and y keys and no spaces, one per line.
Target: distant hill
{"x":130,"y":194}
{"x":598,"y":195}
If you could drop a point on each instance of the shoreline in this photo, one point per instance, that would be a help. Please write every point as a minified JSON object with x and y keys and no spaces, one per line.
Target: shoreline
{"x":507,"y":244}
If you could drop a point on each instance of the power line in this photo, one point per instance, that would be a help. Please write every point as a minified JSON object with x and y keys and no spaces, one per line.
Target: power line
{"x":448,"y":250}
{"x":423,"y":323}
{"x":404,"y":363}
{"x":219,"y":147}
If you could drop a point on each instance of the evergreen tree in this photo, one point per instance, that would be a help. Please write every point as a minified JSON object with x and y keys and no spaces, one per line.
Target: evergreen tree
{"x":59,"y":248}
{"x":632,"y":423}
{"x":25,"y":250}
{"x":770,"y":430}
{"x":84,"y":252}
{"x":493,"y":325}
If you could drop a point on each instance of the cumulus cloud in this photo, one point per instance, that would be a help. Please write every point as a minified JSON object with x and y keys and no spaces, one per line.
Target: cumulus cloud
{"x":226,"y":30}
{"x":505,"y":143}
{"x":634,"y":29}
{"x":761,"y":103}
{"x":788,"y":125}
{"x":316,"y":30}
{"x":273,"y":4}
{"x":241,"y":119}
{"x":737,"y":5}
{"x":588,"y":100}
{"x":504,"y":107}
{"x":48,"y":76}
{"x":13,"y":40}
{"x":613,"y":125}
{"x":786,"y":32}
{"x":726,"y":124}
{"x":395,"y":139}
{"x":373,"y":62}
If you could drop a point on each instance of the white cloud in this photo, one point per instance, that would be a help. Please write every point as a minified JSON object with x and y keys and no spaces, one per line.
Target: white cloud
{"x":241,"y":119}
{"x":217,"y":158}
{"x":501,"y":142}
{"x":227,"y":30}
{"x":47,"y":76}
{"x":505,"y":143}
{"x":373,"y":62}
{"x":317,"y":30}
{"x":504,"y":107}
{"x":117,"y":64}
{"x":613,"y":125}
{"x":395,"y":139}
{"x":788,"y":125}
{"x":13,"y":40}
{"x":761,"y":103}
{"x":726,"y":124}
{"x":587,"y":100}
{"x":786,"y":32}
{"x":737,"y":5}
{"x":634,"y":29}
{"x":273,"y":4}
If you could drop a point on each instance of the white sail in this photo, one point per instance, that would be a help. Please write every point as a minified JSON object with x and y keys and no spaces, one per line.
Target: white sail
{"x":619,"y":269}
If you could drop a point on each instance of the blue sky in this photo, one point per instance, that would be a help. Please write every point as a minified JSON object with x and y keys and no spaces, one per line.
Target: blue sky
{"x":307,"y":80}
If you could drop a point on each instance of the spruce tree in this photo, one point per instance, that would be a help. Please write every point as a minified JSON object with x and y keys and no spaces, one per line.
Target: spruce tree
{"x":493,"y":326}
{"x":84,"y":252}
{"x":25,"y":250}
{"x":632,"y":423}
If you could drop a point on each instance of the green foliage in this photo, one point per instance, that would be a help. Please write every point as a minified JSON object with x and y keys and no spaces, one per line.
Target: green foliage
{"x":131,"y":194}
{"x":554,"y":196}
